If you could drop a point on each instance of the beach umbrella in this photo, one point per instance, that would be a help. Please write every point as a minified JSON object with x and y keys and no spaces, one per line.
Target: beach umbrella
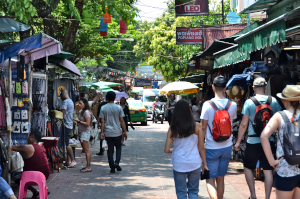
{"x":179,"y":88}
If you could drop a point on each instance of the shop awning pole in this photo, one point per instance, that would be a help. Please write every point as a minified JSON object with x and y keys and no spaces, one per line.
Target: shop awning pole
{"x":9,"y":132}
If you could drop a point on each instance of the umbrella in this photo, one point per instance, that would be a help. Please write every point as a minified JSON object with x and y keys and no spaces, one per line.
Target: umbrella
{"x":120,"y":95}
{"x":110,"y":89}
{"x":179,"y":88}
{"x":103,"y":84}
{"x":240,"y":80}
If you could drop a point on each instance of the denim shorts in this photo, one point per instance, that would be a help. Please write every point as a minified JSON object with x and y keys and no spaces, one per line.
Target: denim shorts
{"x":5,"y":188}
{"x":84,"y":136}
{"x":68,"y":133}
{"x":218,"y":161}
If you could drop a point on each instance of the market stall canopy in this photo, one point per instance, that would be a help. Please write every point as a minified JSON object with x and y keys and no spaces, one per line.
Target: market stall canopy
{"x":106,"y":84}
{"x":259,"y":6}
{"x":268,"y":34}
{"x":9,"y":25}
{"x":230,"y":56}
{"x":68,"y":65}
{"x":33,"y":48}
{"x":110,"y":89}
{"x":179,"y":88}
{"x":61,"y":56}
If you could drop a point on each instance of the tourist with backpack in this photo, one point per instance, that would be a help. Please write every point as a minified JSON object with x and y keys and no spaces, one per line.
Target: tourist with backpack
{"x":216,"y":119}
{"x":257,"y":111}
{"x":287,"y":170}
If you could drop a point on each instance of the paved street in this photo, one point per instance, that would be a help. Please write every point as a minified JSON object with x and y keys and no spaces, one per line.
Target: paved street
{"x":147,"y":173}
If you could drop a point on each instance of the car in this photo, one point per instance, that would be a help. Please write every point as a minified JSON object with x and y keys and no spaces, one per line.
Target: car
{"x":137,"y":111}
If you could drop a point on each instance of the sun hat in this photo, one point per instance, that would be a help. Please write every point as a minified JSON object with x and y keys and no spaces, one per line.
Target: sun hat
{"x":290,"y":93}
{"x":259,"y":82}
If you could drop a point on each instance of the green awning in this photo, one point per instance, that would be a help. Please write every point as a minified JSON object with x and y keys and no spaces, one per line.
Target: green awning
{"x":295,"y":30}
{"x":216,"y":46}
{"x":265,"y":35}
{"x":229,"y":56}
{"x":259,"y":6}
{"x":61,"y":56}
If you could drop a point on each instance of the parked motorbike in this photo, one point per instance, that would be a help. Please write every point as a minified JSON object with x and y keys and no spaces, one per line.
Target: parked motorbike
{"x":159,"y":113}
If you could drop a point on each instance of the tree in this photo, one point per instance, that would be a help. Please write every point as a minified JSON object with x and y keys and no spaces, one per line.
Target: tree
{"x":158,"y":43}
{"x":61,"y":19}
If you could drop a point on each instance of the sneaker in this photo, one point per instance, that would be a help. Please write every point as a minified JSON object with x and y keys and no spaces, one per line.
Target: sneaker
{"x":118,"y":167}
{"x":112,"y":170}
{"x":100,"y":153}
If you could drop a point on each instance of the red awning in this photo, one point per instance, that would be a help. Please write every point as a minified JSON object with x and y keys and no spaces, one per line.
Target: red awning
{"x":212,"y":32}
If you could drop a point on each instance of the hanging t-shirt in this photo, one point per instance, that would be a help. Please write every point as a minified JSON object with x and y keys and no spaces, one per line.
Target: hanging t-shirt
{"x":208,"y":114}
{"x":236,"y":98}
{"x":58,"y":85}
{"x":250,"y":109}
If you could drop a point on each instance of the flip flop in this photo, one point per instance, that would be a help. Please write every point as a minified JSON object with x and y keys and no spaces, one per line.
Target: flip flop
{"x":84,"y":170}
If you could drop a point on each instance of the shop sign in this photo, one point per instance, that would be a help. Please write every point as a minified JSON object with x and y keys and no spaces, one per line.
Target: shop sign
{"x":189,"y":35}
{"x":191,"y":8}
{"x":142,"y":82}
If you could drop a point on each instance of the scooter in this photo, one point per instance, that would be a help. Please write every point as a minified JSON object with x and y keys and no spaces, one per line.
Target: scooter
{"x":159,"y":113}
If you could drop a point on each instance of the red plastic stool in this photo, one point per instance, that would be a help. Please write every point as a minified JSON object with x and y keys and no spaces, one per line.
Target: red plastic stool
{"x":33,"y":178}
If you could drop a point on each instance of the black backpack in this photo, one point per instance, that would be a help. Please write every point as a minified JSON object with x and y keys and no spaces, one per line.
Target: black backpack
{"x":263,"y":113}
{"x":291,"y":141}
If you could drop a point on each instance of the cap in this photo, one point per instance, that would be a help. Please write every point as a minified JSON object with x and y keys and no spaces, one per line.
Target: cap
{"x":220,"y":81}
{"x":259,"y":82}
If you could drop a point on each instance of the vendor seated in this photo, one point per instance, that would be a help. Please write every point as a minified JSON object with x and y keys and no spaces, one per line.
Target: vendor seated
{"x":34,"y":156}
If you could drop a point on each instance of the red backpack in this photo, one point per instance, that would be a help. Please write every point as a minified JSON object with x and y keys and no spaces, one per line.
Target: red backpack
{"x":221,"y":124}
{"x":262,"y":116}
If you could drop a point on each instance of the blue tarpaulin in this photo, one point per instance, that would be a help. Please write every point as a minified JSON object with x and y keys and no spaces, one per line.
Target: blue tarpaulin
{"x":239,"y":80}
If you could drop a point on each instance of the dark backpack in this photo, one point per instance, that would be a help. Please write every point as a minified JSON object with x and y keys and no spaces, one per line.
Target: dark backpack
{"x":221,"y":124}
{"x":262,"y":116}
{"x":291,"y":140}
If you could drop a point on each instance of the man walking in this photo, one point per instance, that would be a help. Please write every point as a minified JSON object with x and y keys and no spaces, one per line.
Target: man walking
{"x":254,"y":150}
{"x":112,"y":123}
{"x":156,"y":102}
{"x":68,"y":109}
{"x":218,"y":153}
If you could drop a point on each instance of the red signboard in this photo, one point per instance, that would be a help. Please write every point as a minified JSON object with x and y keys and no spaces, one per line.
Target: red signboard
{"x":191,"y":7}
{"x":189,"y":35}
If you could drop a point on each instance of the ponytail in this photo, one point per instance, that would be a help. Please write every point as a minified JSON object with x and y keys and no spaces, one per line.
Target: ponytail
{"x":295,"y":105}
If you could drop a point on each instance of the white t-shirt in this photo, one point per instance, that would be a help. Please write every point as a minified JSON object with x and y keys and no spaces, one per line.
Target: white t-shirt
{"x":196,"y":114}
{"x":208,"y":113}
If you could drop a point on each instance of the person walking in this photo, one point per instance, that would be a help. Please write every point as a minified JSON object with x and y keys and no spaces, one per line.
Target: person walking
{"x":188,"y":153}
{"x":156,"y":102}
{"x":287,"y":175}
{"x":125,"y":107}
{"x":196,"y":110}
{"x":84,"y":131}
{"x":218,"y":152}
{"x":112,"y":123}
{"x":68,"y":109}
{"x":170,"y":107}
{"x":254,"y":150}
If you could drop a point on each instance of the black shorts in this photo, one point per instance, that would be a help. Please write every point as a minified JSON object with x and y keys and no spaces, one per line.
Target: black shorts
{"x":255,"y":152}
{"x":68,"y":133}
{"x":286,"y":183}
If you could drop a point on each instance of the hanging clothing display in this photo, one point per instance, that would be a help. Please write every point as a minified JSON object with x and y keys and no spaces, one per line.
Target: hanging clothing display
{"x":2,"y":111}
{"x":58,"y":85}
{"x":235,"y":94}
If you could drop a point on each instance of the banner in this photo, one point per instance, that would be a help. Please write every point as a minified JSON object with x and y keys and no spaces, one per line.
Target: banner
{"x":189,"y":35}
{"x":142,"y":82}
{"x":191,"y":7}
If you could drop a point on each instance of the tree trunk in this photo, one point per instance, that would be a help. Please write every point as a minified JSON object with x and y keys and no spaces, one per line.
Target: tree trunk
{"x":69,"y":39}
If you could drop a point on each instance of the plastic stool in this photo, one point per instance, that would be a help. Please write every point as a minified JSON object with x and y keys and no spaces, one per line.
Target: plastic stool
{"x":33,"y":178}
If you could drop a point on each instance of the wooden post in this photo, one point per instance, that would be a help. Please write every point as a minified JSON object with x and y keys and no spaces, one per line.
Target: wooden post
{"x":30,"y":92}
{"x":46,"y":94}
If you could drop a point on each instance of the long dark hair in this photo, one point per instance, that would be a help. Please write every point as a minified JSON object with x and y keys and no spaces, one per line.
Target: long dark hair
{"x":183,"y":124}
{"x":86,"y":106}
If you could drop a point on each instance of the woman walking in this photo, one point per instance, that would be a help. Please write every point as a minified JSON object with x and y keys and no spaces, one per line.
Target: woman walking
{"x":287,"y":176}
{"x":188,"y":152}
{"x":125,"y":107}
{"x":170,"y":106}
{"x":84,"y":122}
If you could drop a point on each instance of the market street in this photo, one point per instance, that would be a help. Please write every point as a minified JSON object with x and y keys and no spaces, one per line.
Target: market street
{"x":147,"y":172}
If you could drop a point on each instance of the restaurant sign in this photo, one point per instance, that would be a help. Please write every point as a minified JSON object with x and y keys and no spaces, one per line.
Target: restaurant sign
{"x":189,"y":35}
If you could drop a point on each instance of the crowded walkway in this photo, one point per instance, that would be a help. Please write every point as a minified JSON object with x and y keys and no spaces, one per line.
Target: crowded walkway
{"x":147,"y":173}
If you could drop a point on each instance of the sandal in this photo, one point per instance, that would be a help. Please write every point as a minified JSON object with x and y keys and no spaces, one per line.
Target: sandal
{"x":84,"y":170}
{"x":72,"y":165}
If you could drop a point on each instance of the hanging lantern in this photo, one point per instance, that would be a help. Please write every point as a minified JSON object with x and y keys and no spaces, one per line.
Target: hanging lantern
{"x":107,"y":17}
{"x":123,"y":27}
{"x":103,"y":27}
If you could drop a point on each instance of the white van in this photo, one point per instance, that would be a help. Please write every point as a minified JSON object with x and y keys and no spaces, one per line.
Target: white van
{"x":148,"y":97}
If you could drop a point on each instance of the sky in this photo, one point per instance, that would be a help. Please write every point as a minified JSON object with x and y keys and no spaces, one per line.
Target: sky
{"x":151,"y":9}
